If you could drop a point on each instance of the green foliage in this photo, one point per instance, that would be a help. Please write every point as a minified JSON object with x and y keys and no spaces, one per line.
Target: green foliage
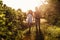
{"x":11,"y":23}
{"x":53,"y":12}
{"x":53,"y":33}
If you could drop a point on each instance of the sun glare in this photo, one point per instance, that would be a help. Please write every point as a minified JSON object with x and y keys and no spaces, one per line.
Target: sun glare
{"x":23,"y":4}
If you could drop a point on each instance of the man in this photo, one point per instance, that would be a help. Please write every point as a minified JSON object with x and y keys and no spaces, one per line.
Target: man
{"x":39,"y":34}
{"x":37,"y":19}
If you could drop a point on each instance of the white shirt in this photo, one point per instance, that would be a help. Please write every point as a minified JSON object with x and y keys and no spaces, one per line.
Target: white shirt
{"x":29,"y":18}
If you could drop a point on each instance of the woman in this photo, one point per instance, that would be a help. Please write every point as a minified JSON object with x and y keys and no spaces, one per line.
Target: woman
{"x":29,"y":19}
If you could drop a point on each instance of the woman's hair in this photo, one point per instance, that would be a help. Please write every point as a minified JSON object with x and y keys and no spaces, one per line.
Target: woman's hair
{"x":30,"y":12}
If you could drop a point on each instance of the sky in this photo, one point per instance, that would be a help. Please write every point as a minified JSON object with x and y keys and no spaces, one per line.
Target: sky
{"x":23,"y":4}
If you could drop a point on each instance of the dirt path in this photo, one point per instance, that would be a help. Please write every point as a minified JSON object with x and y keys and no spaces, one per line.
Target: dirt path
{"x":30,"y":36}
{"x":33,"y":35}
